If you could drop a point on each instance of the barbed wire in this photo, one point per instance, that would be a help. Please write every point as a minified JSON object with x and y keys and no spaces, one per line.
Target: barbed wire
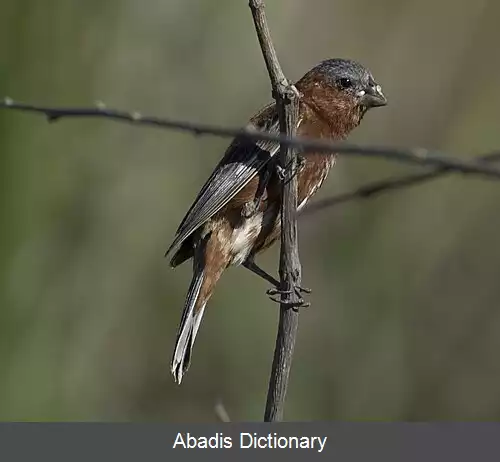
{"x":376,"y":188}
{"x":419,"y":156}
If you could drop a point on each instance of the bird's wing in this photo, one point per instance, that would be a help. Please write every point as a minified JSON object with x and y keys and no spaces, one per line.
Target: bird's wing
{"x":241,"y":162}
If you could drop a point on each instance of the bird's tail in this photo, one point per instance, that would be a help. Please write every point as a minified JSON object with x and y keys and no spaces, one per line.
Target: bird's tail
{"x":198,"y":294}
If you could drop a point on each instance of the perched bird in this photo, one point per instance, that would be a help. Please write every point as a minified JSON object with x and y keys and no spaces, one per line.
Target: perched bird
{"x":236,"y":215}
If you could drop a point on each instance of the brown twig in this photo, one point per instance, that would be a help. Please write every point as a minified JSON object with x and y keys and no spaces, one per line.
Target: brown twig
{"x":418,"y":156}
{"x":290,"y":268}
{"x":377,"y":187}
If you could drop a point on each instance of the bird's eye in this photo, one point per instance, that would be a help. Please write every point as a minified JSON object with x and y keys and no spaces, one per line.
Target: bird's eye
{"x":345,"y":82}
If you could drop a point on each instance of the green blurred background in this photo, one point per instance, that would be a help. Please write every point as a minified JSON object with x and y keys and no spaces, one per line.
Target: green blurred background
{"x":404,"y":322}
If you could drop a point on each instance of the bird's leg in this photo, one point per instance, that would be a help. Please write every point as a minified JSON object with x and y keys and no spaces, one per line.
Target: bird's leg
{"x":254,"y":268}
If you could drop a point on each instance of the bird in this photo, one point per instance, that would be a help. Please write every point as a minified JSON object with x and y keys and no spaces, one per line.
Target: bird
{"x":236,"y":214}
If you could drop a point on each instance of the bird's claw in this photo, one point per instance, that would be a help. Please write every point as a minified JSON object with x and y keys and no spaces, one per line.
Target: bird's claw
{"x":298,"y":290}
{"x":282,"y":172}
{"x":300,"y":303}
{"x":304,"y":290}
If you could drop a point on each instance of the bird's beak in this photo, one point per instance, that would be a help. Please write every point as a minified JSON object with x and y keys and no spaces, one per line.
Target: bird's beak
{"x":372,"y":96}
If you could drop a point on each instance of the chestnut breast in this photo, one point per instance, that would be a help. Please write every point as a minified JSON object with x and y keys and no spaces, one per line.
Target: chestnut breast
{"x":313,"y":173}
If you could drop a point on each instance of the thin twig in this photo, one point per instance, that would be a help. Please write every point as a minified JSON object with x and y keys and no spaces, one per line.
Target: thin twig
{"x":221,"y":412}
{"x":419,"y":156}
{"x":290,"y":268}
{"x":378,"y":187}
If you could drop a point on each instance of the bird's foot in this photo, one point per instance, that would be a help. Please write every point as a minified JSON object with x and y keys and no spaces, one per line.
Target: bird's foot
{"x":298,"y":290}
{"x":275,"y":290}
{"x":287,"y":173}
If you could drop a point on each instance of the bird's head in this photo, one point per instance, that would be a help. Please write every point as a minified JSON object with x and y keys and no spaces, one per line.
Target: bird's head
{"x":341,"y":87}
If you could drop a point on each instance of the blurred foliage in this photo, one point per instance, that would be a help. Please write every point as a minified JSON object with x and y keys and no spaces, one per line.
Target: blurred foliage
{"x":403,"y":322}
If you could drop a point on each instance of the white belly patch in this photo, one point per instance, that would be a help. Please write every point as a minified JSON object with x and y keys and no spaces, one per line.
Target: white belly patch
{"x":244,"y":237}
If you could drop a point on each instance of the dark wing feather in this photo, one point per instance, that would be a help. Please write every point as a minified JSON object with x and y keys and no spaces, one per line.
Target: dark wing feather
{"x":241,"y":162}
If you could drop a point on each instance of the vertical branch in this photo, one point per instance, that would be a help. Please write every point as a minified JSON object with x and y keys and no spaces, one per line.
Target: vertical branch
{"x":290,"y":268}
{"x":290,"y":276}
